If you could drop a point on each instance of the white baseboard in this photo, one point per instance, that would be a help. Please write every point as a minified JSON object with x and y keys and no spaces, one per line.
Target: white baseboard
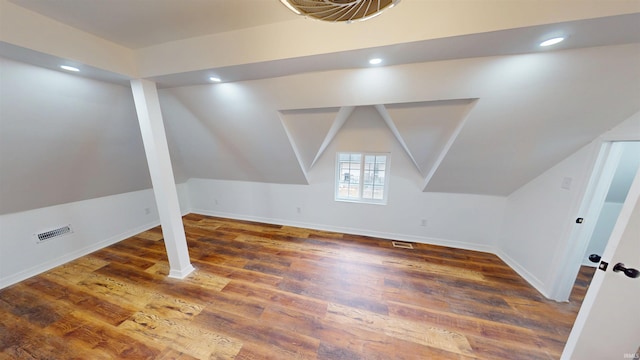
{"x":530,"y":278}
{"x":23,"y":275}
{"x":353,"y":231}
{"x":181,"y":273}
{"x":35,"y":270}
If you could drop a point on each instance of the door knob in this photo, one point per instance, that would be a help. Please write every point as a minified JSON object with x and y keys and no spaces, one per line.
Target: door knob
{"x":594,"y":258}
{"x":632,"y":273}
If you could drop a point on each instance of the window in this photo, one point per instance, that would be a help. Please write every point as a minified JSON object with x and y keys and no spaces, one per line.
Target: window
{"x":362,"y":177}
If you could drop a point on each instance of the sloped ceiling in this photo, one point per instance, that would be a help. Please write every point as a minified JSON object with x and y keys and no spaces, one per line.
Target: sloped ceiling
{"x":425,"y":130}
{"x":228,"y":132}
{"x":310,"y":131}
{"x":482,"y":125}
{"x":65,"y":138}
{"x":474,"y":103}
{"x":536,"y":111}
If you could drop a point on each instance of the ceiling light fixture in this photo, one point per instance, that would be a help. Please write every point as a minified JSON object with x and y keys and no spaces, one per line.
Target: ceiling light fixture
{"x":375,"y":61}
{"x":552,"y":41}
{"x":290,"y":7}
{"x":339,"y":10}
{"x":215,"y":79}
{"x":69,"y":68}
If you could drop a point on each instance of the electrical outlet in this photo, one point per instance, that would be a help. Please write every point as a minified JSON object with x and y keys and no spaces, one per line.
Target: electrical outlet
{"x":147,"y":211}
{"x":566,"y":183}
{"x":298,"y":210}
{"x":423,"y":222}
{"x":215,"y":201}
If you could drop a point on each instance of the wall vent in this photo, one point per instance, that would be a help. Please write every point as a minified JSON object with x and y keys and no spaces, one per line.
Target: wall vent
{"x":48,"y":235}
{"x":403,"y":245}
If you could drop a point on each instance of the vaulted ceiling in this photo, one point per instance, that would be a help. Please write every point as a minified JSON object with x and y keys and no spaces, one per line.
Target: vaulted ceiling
{"x":464,"y":88}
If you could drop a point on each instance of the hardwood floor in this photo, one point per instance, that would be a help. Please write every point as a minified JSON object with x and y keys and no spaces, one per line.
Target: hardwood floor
{"x":272,"y":292}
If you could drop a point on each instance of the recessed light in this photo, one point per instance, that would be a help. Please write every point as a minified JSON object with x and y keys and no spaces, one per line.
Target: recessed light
{"x":69,"y":68}
{"x":375,"y":61}
{"x":214,"y":79}
{"x":552,"y":41}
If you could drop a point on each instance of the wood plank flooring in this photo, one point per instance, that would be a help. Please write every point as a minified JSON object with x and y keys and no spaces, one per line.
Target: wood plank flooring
{"x":275,"y":292}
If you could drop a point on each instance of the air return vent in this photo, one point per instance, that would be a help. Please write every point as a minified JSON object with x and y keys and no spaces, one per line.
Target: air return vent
{"x":48,"y":235}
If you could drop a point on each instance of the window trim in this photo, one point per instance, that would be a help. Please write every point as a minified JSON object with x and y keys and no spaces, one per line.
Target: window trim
{"x":360,"y":199}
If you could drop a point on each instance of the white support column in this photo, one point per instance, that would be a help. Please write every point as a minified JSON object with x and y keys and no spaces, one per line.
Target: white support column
{"x":145,"y":96}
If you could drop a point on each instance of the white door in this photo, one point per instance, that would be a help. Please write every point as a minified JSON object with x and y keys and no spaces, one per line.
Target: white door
{"x":608,"y":324}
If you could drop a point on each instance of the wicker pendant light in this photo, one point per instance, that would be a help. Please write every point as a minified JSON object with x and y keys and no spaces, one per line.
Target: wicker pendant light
{"x":339,"y":10}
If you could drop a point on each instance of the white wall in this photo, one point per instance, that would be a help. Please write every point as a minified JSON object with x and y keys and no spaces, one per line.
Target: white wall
{"x":96,"y":223}
{"x":540,"y":216}
{"x":625,"y":172}
{"x":457,"y":220}
{"x":536,"y":219}
{"x":460,"y":220}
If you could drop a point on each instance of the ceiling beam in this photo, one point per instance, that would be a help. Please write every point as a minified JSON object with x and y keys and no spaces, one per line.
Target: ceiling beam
{"x":30,"y":30}
{"x":411,"y":21}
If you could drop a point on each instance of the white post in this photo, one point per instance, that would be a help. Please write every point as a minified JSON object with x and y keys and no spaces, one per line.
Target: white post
{"x":145,"y":96}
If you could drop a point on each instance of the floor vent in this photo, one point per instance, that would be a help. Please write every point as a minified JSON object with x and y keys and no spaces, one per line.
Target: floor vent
{"x":48,"y":235}
{"x":402,"y":245}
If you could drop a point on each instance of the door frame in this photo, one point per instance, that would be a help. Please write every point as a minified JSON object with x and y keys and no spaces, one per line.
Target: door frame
{"x":607,"y":157}
{"x":633,"y":197}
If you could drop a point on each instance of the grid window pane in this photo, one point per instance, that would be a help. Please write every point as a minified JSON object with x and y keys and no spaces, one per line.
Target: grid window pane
{"x":349,"y":176}
{"x":361,"y":177}
{"x":374,"y":171}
